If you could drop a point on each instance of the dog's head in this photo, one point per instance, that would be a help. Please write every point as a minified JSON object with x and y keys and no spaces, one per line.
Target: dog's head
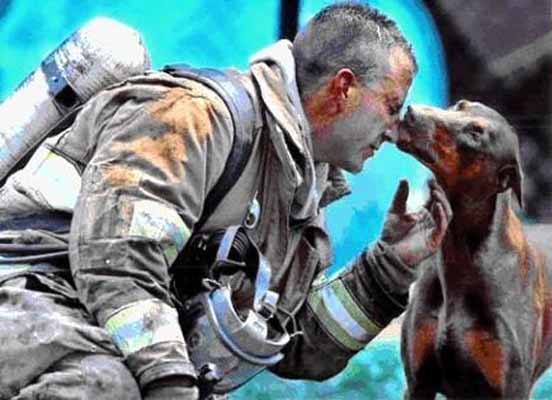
{"x":469,"y":147}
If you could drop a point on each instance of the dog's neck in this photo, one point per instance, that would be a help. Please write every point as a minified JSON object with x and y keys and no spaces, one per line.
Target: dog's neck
{"x":475,"y":230}
{"x":472,"y":217}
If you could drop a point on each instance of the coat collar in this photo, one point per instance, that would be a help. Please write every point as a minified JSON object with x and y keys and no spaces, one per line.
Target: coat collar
{"x":273,"y":69}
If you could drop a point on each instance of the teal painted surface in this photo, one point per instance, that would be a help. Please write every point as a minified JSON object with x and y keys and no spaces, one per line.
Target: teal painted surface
{"x":377,"y":377}
{"x":202,"y":33}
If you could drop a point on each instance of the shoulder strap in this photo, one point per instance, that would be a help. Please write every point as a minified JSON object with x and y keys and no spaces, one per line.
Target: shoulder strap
{"x":236,"y":98}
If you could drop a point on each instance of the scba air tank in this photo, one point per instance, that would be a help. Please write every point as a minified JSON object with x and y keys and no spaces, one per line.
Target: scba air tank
{"x":101,"y":53}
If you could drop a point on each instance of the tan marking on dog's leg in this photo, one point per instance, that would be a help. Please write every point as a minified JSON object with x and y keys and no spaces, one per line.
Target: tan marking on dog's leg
{"x":424,"y":342}
{"x":488,"y":354}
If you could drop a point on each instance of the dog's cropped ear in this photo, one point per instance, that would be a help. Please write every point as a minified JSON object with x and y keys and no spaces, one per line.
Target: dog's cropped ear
{"x":510,"y":176}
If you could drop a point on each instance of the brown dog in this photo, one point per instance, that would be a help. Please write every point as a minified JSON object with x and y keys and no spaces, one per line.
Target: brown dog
{"x":479,"y":324}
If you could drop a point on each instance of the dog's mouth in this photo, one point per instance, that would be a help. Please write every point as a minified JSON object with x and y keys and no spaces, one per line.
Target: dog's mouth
{"x":416,"y":139}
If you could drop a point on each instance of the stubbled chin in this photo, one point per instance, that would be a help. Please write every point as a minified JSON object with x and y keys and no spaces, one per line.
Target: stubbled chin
{"x":355,"y":169}
{"x":351,"y":166}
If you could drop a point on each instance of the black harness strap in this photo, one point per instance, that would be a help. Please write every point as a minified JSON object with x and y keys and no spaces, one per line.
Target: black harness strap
{"x":236,"y":98}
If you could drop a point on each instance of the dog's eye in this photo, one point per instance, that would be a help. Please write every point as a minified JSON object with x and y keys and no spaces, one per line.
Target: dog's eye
{"x":475,"y":129}
{"x":462,"y":105}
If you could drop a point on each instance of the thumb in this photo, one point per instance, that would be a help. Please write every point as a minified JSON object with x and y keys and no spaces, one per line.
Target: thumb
{"x":398,"y":206}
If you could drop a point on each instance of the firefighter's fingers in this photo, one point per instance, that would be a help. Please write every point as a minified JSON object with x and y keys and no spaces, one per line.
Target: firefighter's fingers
{"x":398,"y":205}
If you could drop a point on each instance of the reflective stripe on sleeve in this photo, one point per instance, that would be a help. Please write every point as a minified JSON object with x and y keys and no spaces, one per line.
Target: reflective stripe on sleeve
{"x":142,"y":324}
{"x":342,"y":317}
{"x":161,"y":223}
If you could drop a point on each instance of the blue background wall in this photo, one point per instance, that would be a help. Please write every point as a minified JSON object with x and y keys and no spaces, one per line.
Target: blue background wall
{"x":224,"y":33}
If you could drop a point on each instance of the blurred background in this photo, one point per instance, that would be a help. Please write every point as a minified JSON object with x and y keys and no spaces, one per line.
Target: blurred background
{"x":498,"y":53}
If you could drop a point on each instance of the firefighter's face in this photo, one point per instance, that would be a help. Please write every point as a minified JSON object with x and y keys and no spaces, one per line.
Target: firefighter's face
{"x":351,"y":120}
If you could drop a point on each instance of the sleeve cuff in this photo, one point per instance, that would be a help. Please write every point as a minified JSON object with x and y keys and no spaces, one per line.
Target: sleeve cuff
{"x":148,"y":334}
{"x":166,"y":369}
{"x":387,"y":279}
{"x":389,"y":270}
{"x":160,"y":361}
{"x":143,"y":323}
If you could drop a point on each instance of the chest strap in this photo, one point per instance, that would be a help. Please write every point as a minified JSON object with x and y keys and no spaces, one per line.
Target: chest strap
{"x":236,"y":98}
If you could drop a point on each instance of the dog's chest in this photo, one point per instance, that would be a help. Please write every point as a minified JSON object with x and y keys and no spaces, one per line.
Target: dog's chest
{"x":470,"y":355}
{"x":482,"y":308}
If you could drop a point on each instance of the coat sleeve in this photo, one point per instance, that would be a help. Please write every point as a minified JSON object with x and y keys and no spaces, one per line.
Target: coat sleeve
{"x":156,"y":153}
{"x":344,"y":312}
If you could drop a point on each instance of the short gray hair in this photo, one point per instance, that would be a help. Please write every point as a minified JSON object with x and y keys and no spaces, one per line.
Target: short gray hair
{"x":344,"y":35}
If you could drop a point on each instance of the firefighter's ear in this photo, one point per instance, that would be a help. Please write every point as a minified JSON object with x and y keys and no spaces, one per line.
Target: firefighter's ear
{"x":344,"y":90}
{"x":342,"y":83}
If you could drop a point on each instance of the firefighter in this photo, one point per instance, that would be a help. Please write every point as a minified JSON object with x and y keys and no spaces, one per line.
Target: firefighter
{"x":135,"y":169}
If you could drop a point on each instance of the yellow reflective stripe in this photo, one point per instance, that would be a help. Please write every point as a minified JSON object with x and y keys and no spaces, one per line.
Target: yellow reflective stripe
{"x":370,"y":327}
{"x":142,"y":324}
{"x":161,"y":223}
{"x":332,"y":326}
{"x":342,"y":317}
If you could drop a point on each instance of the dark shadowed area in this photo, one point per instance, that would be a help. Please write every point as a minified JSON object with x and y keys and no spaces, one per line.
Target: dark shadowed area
{"x":502,"y":55}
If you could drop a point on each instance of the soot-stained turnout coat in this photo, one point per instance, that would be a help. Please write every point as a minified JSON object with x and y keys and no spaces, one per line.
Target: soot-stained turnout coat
{"x":134,"y":170}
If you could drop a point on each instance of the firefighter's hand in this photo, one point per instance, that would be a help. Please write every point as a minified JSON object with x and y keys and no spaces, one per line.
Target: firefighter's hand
{"x":174,"y":387}
{"x":416,"y":236}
